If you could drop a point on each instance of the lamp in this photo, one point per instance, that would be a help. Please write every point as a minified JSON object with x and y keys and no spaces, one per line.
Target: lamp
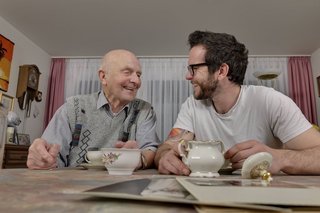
{"x":13,"y":121}
{"x":267,"y":75}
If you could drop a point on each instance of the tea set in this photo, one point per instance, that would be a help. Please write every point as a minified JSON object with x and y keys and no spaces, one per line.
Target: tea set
{"x":116,"y":161}
{"x":204,"y":159}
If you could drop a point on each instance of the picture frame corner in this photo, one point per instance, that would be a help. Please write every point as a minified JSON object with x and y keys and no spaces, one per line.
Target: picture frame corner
{"x":318,"y":85}
{"x":24,"y":139}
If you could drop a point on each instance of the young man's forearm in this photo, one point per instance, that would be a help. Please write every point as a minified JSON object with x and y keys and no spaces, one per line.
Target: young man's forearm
{"x":175,"y":136}
{"x":301,"y":161}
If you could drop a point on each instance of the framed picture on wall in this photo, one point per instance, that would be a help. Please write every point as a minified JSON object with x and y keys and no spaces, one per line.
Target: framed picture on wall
{"x":318,"y":84}
{"x":7,"y":101}
{"x":24,"y":139}
{"x":6,"y":53}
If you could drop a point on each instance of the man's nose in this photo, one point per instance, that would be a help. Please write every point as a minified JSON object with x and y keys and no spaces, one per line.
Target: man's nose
{"x":135,"y":78}
{"x":189,"y":76}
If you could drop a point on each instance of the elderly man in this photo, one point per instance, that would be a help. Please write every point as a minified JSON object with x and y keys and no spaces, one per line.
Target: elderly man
{"x":112,"y":117}
{"x":248,"y":119}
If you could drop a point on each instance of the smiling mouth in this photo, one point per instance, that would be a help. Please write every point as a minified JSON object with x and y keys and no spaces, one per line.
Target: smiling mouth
{"x":131,"y":88}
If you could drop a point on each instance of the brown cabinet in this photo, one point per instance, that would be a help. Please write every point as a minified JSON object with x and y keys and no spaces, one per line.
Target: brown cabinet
{"x":15,"y":156}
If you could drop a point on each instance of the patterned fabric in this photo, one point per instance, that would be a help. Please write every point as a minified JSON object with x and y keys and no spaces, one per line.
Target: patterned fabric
{"x":87,"y":121}
{"x":92,"y":127}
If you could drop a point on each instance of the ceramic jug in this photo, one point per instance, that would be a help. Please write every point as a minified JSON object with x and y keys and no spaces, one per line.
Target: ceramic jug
{"x":204,"y":158}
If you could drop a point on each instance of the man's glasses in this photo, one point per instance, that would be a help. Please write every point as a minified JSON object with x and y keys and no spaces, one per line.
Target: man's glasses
{"x":193,"y":67}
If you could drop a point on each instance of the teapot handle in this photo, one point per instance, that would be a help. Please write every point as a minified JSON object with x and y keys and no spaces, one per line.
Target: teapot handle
{"x":181,"y":153}
{"x":220,"y":143}
{"x":227,"y":163}
{"x":222,"y":147}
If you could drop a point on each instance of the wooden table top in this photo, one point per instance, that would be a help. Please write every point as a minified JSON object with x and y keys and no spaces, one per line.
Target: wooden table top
{"x":24,"y":190}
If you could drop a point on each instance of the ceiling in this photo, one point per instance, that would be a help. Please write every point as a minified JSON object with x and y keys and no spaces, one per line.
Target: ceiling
{"x":161,"y":28}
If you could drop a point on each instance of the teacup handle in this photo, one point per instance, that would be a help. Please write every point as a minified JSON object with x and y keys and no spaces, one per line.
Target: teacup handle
{"x":181,"y":144}
{"x":87,"y":160}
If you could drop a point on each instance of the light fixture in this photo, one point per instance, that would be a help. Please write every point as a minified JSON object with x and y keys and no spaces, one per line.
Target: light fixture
{"x":267,"y":76}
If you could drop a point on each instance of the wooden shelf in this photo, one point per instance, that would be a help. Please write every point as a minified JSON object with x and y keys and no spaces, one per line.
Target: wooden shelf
{"x":15,"y":156}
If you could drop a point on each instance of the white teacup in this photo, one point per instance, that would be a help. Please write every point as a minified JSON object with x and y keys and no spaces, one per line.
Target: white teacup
{"x":121,"y":161}
{"x":94,"y":157}
{"x":204,"y":158}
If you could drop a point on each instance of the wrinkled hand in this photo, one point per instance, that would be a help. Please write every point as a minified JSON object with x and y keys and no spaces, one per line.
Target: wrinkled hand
{"x":127,"y":145}
{"x":241,"y":151}
{"x":170,"y":163}
{"x":42,"y":155}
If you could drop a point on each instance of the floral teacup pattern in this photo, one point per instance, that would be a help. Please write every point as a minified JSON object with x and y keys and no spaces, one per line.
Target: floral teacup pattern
{"x":110,"y":157}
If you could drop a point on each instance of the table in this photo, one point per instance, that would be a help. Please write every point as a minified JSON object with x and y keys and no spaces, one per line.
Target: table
{"x":24,"y":190}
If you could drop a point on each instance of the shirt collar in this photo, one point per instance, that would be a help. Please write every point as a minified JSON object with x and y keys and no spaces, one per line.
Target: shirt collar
{"x":103,"y":101}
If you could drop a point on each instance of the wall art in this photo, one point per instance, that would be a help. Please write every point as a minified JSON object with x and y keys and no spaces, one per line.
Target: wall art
{"x":6,"y":53}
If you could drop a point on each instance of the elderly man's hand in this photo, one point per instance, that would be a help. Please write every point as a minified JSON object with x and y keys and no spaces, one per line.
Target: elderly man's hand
{"x":42,"y":155}
{"x":127,"y":145}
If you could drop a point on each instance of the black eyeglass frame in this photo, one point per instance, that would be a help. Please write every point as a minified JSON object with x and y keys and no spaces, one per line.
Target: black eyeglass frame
{"x":192,"y":66}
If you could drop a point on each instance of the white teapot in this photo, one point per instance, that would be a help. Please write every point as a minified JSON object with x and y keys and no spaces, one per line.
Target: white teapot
{"x":204,"y":158}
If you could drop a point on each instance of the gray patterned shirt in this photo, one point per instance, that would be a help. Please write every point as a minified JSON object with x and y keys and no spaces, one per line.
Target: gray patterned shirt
{"x":100,"y":127}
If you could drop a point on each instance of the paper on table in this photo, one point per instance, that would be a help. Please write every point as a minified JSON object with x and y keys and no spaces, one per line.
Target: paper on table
{"x":148,"y":189}
{"x":165,"y":187}
{"x":248,"y":191}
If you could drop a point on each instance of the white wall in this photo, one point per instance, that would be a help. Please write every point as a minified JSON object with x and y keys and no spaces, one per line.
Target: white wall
{"x":315,"y":63}
{"x":26,"y":52}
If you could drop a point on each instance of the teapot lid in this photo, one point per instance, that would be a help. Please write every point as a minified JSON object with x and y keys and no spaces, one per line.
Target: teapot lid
{"x":257,"y":165}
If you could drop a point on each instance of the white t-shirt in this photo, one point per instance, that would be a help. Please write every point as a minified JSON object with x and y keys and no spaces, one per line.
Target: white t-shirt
{"x":260,"y":113}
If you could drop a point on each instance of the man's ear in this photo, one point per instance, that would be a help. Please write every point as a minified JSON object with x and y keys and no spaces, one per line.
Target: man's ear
{"x":223,"y":71}
{"x":102,"y":76}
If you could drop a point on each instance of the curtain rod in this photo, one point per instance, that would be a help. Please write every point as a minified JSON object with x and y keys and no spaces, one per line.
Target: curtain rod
{"x":171,"y":56}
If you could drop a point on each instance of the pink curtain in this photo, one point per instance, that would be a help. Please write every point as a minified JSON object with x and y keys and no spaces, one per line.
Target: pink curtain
{"x":55,"y":94}
{"x":301,"y":88}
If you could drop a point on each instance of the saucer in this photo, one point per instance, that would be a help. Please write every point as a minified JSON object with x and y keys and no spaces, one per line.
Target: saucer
{"x":204,"y":174}
{"x":113,"y":171}
{"x":93,"y":166}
